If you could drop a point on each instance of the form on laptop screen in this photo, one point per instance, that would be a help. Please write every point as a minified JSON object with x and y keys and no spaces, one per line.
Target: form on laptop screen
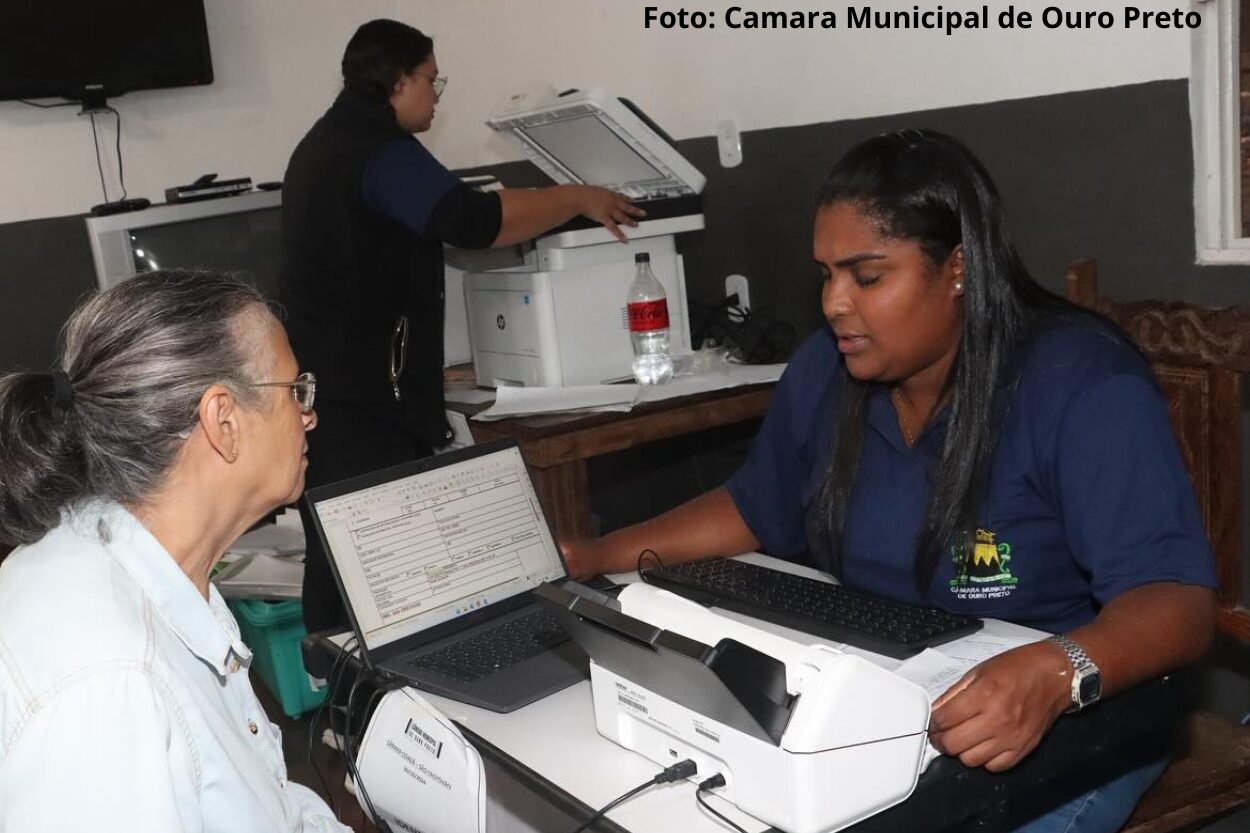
{"x":421,"y":550}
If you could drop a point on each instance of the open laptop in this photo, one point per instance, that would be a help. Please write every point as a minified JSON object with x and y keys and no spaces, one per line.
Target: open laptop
{"x":436,"y":561}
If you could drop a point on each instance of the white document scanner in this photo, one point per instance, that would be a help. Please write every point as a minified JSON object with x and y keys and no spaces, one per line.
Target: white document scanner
{"x":552,"y":312}
{"x":808,"y":738}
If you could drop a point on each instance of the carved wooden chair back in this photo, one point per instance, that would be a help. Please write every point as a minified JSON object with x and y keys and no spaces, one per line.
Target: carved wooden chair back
{"x":1198,"y":356}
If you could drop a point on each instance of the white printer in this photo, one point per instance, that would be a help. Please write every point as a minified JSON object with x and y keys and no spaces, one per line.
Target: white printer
{"x":808,"y":739}
{"x":552,"y":312}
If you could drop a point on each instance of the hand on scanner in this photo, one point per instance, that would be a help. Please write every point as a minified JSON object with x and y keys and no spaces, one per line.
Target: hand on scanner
{"x":611,"y":209}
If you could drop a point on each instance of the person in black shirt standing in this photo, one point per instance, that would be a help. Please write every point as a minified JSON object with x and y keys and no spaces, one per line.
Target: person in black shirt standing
{"x":365,"y":212}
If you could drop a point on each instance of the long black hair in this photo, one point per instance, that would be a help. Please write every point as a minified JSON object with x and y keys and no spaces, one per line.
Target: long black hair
{"x":379,"y":53}
{"x":927,"y":187}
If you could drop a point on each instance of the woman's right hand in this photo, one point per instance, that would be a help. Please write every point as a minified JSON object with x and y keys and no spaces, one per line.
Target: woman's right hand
{"x":609,"y":208}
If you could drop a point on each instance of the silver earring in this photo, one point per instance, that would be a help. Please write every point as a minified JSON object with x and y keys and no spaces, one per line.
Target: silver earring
{"x":959,"y":286}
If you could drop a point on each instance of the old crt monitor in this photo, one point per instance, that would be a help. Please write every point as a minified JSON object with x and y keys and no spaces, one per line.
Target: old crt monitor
{"x":240,"y":234}
{"x":532,"y":320}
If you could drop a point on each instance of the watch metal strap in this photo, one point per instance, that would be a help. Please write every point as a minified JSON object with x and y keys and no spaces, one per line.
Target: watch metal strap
{"x":1082,"y":666}
{"x":1076,"y":654}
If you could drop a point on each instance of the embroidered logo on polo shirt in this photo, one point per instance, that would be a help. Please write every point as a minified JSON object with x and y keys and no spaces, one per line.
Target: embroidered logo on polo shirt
{"x":986,"y":575}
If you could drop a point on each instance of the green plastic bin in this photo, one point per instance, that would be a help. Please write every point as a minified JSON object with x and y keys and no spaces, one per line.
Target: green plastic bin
{"x":273,"y":630}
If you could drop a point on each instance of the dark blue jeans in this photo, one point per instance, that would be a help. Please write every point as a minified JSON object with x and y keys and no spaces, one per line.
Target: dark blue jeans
{"x":1103,"y":809}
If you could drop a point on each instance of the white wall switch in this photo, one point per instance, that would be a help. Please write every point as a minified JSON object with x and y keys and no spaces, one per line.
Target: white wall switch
{"x":729,"y":142}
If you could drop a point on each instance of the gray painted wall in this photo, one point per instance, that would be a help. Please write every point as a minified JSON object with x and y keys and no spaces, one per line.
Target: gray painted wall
{"x":1104,"y":173}
{"x":45,"y":267}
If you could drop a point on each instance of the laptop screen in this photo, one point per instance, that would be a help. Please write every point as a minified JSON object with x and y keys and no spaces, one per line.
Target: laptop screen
{"x":423,"y":549}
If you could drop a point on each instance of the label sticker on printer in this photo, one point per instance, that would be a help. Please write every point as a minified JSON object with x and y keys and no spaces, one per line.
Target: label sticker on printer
{"x":631,"y":699}
{"x":701,"y":728}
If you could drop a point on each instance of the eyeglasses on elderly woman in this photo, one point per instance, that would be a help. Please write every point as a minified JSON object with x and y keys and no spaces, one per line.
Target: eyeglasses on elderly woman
{"x":303,"y":388}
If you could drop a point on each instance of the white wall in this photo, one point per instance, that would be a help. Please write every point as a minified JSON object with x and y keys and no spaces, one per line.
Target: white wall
{"x":276,"y":64}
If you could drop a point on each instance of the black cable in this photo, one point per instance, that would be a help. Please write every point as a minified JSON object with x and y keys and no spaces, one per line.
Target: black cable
{"x":677,"y":772}
{"x":333,"y":680}
{"x":613,"y":803}
{"x":98,"y":166}
{"x":717,"y":781}
{"x":708,"y":785}
{"x":29,"y":103}
{"x":389,"y":684}
{"x":751,"y":336}
{"x":121,"y":171}
{"x":349,"y":755}
{"x":642,"y":557}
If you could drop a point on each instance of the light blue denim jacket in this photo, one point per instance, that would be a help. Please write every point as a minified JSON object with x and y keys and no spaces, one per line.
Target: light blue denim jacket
{"x":125,"y":702}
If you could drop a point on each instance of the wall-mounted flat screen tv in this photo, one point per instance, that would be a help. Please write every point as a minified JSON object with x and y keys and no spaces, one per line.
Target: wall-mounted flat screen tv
{"x":74,"y":48}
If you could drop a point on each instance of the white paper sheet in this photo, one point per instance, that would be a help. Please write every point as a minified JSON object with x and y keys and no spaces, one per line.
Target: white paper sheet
{"x":420,"y":772}
{"x":527,"y":401}
{"x":469,"y":396}
{"x":285,"y":537}
{"x":933,"y":671}
{"x":261,"y":576}
{"x":726,"y":376}
{"x":937,"y":669}
{"x":993,"y":639}
{"x":462,"y":437}
{"x":518,"y":401}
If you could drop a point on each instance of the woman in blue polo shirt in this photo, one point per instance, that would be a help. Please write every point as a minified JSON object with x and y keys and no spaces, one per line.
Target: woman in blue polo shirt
{"x":960,"y":437}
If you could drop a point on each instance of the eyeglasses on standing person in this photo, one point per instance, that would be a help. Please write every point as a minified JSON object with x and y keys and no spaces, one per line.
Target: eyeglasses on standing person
{"x":438,"y":82}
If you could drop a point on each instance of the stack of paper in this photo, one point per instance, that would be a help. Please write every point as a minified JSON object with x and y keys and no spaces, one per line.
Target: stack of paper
{"x":725,"y":376}
{"x":516,"y":401}
{"x":285,"y":537}
{"x":519,"y":401}
{"x":261,"y":576}
{"x":265,"y":563}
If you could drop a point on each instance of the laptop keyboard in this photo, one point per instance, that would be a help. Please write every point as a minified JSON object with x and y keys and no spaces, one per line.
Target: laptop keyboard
{"x":500,"y":647}
{"x":830,"y":611}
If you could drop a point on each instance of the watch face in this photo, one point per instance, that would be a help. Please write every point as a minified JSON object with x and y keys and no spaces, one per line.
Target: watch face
{"x":1091,"y":687}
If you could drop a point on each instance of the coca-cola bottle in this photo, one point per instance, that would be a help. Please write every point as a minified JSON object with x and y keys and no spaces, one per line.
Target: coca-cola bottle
{"x":648,"y":324}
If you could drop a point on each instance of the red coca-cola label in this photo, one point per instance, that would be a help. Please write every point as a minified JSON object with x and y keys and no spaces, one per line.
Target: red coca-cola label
{"x":645,"y":316}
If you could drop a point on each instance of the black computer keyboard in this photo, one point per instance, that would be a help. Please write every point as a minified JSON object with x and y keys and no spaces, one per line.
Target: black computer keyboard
{"x":829,"y":611}
{"x":497,"y":648}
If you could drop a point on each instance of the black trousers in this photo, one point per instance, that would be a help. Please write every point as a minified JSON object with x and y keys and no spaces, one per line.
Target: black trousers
{"x":348,"y":440}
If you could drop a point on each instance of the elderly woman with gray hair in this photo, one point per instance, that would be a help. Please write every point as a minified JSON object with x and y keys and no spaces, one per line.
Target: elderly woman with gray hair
{"x":175,"y":421}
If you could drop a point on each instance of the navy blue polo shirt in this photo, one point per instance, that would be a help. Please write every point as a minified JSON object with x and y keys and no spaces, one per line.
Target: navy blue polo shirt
{"x":1087,"y":496}
{"x":405,"y":182}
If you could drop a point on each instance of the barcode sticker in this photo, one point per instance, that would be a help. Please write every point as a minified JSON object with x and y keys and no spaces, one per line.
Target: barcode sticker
{"x":699,"y":730}
{"x":631,"y":703}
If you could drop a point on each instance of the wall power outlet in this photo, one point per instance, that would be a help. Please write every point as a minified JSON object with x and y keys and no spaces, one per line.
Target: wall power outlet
{"x":738,"y":284}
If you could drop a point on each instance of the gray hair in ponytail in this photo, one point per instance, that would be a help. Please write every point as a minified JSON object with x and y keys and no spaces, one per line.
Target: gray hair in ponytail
{"x":109,"y":422}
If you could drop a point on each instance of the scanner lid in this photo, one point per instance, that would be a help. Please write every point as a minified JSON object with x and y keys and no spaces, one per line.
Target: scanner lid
{"x":589,"y":137}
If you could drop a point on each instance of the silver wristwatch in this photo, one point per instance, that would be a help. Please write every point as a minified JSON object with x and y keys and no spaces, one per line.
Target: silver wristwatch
{"x":1086,"y":678}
